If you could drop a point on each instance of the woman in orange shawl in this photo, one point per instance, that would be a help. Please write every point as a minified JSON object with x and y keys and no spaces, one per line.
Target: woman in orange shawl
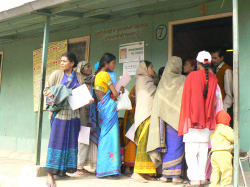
{"x":130,"y":147}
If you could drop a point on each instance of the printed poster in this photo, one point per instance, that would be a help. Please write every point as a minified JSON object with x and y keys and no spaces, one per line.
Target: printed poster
{"x":130,"y":55}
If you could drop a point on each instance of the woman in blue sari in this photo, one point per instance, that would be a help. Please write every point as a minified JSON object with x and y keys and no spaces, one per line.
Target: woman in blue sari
{"x":108,"y":154}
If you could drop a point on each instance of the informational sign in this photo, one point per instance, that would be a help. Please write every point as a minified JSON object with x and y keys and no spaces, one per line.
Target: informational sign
{"x":55,"y":51}
{"x":130,"y":55}
{"x":131,"y":52}
{"x":130,"y":67}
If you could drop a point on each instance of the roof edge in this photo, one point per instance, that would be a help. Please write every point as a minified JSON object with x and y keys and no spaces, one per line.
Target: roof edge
{"x":29,"y":7}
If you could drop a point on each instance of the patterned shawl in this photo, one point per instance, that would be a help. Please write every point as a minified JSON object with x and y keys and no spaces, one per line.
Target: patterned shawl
{"x":166,"y":105}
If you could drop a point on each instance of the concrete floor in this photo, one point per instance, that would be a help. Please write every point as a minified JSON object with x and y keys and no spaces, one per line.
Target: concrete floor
{"x":17,"y":169}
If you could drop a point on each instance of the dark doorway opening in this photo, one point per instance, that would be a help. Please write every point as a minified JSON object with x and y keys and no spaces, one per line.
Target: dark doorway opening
{"x":190,"y":38}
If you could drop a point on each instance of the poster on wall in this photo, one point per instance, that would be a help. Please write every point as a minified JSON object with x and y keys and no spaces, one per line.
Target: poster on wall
{"x":55,"y":51}
{"x":130,"y":55}
{"x":130,"y":67}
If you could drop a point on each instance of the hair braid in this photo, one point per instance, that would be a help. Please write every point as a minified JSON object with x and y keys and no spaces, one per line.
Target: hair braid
{"x":207,"y":77}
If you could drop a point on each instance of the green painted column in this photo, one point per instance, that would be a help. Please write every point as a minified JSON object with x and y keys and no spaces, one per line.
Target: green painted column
{"x":43,"y":76}
{"x":236,"y":91}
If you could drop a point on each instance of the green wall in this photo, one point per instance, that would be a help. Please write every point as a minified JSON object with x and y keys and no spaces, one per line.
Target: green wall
{"x":17,"y":119}
{"x":244,"y":75}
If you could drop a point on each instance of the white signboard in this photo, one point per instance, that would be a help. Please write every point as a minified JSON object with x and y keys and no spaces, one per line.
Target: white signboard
{"x":130,"y":67}
{"x":131,"y":52}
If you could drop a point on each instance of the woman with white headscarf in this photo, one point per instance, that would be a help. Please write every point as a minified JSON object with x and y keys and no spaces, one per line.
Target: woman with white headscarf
{"x":145,"y":91}
{"x":164,"y":146}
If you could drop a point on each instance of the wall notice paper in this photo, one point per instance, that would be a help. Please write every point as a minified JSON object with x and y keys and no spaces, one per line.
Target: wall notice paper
{"x":131,"y":52}
{"x":55,"y":51}
{"x":124,"y":80}
{"x":80,"y":97}
{"x":131,"y":133}
{"x":84,"y":135}
{"x":130,"y":67}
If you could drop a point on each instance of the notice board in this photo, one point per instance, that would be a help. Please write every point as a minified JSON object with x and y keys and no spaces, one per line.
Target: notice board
{"x":55,"y":51}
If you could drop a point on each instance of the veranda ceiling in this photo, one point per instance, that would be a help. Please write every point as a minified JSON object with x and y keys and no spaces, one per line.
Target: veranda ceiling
{"x":28,"y":20}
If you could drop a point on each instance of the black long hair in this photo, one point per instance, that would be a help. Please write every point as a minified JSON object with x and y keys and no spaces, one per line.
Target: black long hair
{"x":206,"y":66}
{"x":106,"y":58}
{"x":72,"y":58}
{"x":147,"y":63}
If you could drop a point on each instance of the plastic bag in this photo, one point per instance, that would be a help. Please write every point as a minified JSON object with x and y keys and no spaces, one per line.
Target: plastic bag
{"x":123,"y":101}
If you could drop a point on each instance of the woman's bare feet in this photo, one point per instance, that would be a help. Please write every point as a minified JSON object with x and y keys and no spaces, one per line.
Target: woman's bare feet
{"x":50,"y":181}
{"x":138,"y":178}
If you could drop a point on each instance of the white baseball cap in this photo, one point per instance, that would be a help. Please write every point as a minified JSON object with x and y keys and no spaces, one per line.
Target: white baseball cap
{"x":204,"y":57}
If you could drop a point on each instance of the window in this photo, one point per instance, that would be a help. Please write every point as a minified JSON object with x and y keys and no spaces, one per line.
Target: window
{"x":80,"y":47}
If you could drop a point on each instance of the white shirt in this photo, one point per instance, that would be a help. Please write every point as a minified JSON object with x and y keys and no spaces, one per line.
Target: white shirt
{"x":228,"y":87}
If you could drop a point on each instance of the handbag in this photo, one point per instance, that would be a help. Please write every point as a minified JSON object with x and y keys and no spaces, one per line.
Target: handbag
{"x":123,"y":102}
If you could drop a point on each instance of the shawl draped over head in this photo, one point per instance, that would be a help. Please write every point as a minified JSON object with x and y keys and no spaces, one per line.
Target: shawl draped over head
{"x":166,"y":105}
{"x":81,"y":65}
{"x":145,"y":91}
{"x":196,"y":111}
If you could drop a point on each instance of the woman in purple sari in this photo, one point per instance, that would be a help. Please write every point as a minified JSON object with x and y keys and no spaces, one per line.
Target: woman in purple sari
{"x":65,"y":122}
{"x":164,"y":146}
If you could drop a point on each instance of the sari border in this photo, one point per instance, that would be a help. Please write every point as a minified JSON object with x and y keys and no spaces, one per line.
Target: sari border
{"x":176,"y":172}
{"x":173,"y":162}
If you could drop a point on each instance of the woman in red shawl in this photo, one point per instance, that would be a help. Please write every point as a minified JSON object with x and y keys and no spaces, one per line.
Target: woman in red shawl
{"x":197,"y":117}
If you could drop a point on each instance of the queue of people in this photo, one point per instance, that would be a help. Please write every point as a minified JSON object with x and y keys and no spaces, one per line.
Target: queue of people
{"x":173,"y":120}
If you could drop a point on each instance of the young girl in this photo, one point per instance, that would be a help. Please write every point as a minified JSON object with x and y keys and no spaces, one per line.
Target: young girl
{"x":197,"y":117}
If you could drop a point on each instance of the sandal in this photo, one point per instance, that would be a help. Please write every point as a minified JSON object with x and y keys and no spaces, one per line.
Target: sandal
{"x":163,"y":179}
{"x":179,"y":181}
{"x":205,"y":182}
{"x":190,"y":185}
{"x":150,"y":178}
{"x":81,"y":172}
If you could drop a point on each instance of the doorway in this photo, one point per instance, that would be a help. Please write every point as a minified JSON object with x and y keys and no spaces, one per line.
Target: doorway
{"x":188,"y":37}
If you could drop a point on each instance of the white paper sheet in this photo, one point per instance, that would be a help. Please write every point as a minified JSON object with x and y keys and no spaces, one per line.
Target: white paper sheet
{"x":80,"y":97}
{"x":131,"y":67}
{"x":125,"y":79}
{"x":131,"y":133}
{"x":84,"y":135}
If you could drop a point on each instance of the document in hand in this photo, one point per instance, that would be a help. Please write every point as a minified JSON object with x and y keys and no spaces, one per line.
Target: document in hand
{"x":131,"y":133}
{"x":125,"y":79}
{"x":84,"y":135}
{"x":80,"y":97}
